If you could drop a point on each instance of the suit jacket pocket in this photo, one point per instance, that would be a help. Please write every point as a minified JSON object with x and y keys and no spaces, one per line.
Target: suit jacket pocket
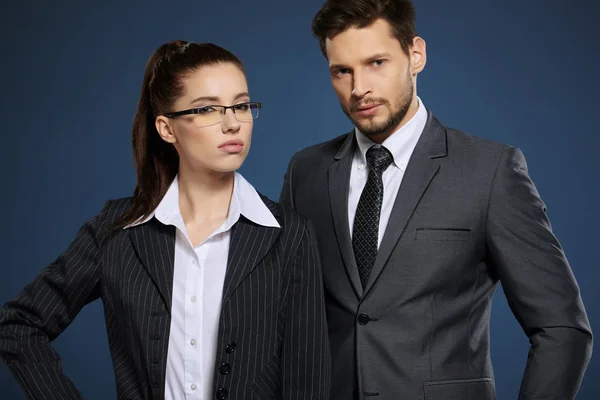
{"x":461,"y":389}
{"x":443,"y":234}
{"x":267,"y":385}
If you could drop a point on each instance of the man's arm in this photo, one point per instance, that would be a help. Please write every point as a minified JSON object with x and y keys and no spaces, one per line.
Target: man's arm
{"x":44,"y":309}
{"x":286,"y":196}
{"x":306,"y":359}
{"x":538,"y":282}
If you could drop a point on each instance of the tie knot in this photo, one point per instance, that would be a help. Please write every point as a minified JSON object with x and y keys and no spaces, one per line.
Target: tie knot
{"x":379,"y":158}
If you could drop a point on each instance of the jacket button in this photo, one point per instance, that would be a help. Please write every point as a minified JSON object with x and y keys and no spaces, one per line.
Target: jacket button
{"x":230,"y":347}
{"x":222,"y":394}
{"x":363,"y":319}
{"x":224,"y":368}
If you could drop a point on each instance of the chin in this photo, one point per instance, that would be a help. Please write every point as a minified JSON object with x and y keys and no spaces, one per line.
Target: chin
{"x":224,"y":166}
{"x":373,"y":120}
{"x":230,"y":165}
{"x":369,"y":127}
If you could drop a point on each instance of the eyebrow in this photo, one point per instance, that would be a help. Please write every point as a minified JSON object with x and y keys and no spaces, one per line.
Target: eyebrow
{"x":365,"y":60}
{"x":216,"y":99}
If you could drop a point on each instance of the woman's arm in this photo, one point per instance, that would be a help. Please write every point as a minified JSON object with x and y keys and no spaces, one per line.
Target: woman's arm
{"x":45,"y":308}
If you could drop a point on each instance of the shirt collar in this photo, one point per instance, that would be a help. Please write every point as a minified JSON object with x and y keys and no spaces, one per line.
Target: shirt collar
{"x":250,"y":203}
{"x":400,"y":143}
{"x":245,"y":201}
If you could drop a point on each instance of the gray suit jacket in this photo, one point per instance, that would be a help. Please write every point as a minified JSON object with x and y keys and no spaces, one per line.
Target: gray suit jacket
{"x":272,"y":341}
{"x":466,"y":217}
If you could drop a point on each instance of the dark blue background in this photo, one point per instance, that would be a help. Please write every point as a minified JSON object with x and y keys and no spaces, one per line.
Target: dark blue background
{"x":521,"y":72}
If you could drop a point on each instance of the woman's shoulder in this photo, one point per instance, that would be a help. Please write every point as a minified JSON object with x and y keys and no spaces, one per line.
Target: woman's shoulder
{"x":288,"y":218}
{"x":112,"y":209}
{"x":110,"y":212}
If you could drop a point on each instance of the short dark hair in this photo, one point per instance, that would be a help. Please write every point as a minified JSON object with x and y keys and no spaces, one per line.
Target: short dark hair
{"x":157,"y":161}
{"x":336,"y":16}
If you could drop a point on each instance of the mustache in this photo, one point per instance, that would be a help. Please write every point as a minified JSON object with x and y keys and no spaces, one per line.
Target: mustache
{"x":372,"y":100}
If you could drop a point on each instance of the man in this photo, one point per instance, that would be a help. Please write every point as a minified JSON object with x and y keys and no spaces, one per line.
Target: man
{"x":417,"y":224}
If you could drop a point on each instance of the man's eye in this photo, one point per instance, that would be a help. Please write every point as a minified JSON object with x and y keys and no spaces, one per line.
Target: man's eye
{"x":377,"y":63}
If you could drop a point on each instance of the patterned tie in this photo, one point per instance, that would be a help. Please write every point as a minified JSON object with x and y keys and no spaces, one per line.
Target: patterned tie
{"x":366,"y":221}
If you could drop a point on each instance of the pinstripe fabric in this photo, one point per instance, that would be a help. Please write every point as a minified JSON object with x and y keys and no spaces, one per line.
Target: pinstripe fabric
{"x":272,"y":331}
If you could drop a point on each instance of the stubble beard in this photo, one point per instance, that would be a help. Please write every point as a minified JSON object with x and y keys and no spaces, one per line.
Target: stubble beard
{"x":402,"y":105}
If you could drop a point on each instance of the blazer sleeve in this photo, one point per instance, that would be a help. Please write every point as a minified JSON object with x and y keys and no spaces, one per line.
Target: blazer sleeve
{"x":44,"y":309}
{"x":538,"y":282}
{"x":305,"y":361}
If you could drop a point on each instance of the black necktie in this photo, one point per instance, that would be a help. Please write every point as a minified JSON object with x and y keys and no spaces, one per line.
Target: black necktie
{"x":365,"y":230}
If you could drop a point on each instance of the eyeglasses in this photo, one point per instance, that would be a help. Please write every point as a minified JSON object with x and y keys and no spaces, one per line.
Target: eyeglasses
{"x":213,"y":114}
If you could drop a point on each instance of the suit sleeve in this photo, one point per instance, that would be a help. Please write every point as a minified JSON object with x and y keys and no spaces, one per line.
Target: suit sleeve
{"x":305,"y":361}
{"x":286,"y":197}
{"x":538,"y":282}
{"x":44,"y":309}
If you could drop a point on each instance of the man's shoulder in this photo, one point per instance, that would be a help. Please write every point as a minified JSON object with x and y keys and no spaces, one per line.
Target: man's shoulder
{"x":329,"y":147}
{"x":460,"y":138}
{"x":472,"y":146}
{"x":471,"y":139}
{"x":466,"y":150}
{"x":321,"y":151}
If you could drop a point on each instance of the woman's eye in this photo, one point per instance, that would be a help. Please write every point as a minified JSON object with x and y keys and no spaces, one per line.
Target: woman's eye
{"x":241,"y":107}
{"x":206,"y":110}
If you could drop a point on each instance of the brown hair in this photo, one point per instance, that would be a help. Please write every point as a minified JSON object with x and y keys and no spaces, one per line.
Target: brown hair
{"x":336,"y":16}
{"x":156,"y":161}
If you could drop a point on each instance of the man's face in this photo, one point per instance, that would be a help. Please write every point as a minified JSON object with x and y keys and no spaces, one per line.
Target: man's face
{"x":374,"y":78}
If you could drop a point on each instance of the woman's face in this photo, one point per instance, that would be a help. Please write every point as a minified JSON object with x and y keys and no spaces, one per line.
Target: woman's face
{"x":210,"y":140}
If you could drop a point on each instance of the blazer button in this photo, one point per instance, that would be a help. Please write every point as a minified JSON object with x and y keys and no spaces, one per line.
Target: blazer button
{"x":363,"y":319}
{"x":222,"y":394}
{"x":224,"y":368}
{"x":230,"y":348}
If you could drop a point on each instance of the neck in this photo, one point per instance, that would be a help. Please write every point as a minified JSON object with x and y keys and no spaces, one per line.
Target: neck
{"x":204,"y":195}
{"x":410,"y":113}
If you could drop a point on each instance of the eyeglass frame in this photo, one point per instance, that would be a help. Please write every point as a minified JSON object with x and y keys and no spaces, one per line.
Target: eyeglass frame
{"x":196,"y":110}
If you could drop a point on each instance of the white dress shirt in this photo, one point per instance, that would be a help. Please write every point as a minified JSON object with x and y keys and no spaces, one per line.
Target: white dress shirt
{"x":199,"y":275}
{"x":401,"y":144}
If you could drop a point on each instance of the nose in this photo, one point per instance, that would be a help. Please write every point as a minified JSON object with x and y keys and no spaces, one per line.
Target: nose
{"x":360,"y":85}
{"x":230,"y":123}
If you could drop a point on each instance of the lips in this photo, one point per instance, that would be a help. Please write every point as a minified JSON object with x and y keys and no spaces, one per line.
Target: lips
{"x":232,"y":146}
{"x":366,"y":110}
{"x":366,"y":107}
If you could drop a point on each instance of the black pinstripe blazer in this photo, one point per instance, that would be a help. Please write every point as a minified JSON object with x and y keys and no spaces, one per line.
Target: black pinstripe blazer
{"x":272,"y":331}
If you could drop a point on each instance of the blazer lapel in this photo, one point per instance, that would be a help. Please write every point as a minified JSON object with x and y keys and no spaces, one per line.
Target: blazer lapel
{"x":339,"y":184}
{"x":420,"y":171}
{"x":249,"y":243}
{"x":154,"y":244}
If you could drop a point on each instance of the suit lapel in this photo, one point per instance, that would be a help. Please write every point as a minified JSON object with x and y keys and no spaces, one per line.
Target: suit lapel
{"x":249,"y":244}
{"x":154,"y":244}
{"x":420,"y":171}
{"x":339,"y":184}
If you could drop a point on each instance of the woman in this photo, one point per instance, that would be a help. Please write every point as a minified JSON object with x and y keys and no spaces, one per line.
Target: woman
{"x":210,"y":290}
